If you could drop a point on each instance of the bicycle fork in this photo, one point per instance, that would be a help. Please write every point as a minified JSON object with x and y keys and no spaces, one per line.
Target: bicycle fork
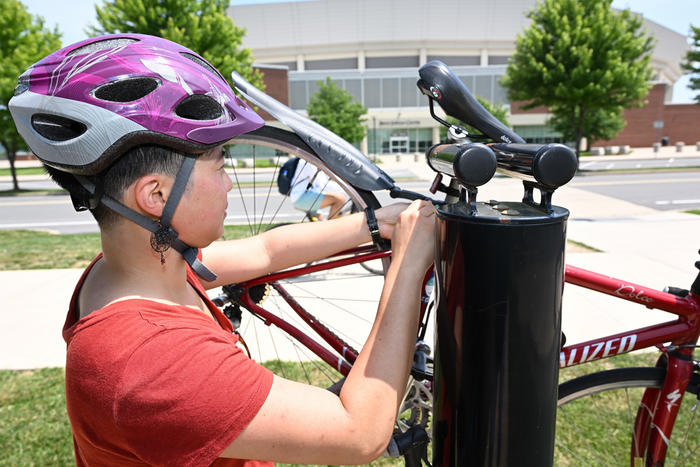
{"x":658,"y":411}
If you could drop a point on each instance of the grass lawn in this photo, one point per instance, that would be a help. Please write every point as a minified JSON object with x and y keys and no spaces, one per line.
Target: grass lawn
{"x":694,"y":211}
{"x":24,"y":171}
{"x":34,"y":428}
{"x":22,"y":192}
{"x":30,"y":249}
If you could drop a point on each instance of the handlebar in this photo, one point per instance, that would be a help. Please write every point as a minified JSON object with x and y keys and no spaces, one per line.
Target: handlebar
{"x":473,"y":164}
{"x":550,"y":165}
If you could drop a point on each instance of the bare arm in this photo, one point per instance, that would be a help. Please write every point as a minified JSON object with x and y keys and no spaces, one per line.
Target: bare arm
{"x":291,"y":245}
{"x":307,"y":425}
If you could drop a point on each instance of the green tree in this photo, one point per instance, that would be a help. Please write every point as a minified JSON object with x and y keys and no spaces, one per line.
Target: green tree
{"x":23,"y":41}
{"x":692,"y":61}
{"x":333,"y":108}
{"x":582,"y":59}
{"x":200,"y":25}
{"x":500,"y":112}
{"x":599,"y":124}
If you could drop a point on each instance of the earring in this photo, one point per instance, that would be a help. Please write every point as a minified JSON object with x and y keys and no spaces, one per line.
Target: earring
{"x":162,"y":240}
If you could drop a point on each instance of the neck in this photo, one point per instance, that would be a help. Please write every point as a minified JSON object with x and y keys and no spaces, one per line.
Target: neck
{"x":128,"y":256}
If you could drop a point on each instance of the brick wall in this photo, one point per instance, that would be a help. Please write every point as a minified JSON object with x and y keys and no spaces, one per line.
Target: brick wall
{"x":681,"y":121}
{"x":516,"y":107}
{"x":276,"y":85}
{"x":639,"y":130}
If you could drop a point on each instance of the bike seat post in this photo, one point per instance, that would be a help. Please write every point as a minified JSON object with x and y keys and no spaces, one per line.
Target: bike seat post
{"x":500,"y":273}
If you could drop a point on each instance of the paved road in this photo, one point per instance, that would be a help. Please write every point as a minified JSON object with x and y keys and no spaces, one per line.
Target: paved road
{"x":56,"y":213}
{"x":659,"y":190}
{"x":662,"y":162}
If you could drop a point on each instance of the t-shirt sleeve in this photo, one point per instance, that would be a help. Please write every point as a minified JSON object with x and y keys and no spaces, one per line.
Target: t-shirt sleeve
{"x":186,"y":394}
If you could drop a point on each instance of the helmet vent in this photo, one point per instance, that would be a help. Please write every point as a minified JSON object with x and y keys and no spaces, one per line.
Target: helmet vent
{"x":200,"y":62}
{"x":126,"y":90}
{"x":55,"y":128}
{"x":199,"y":107}
{"x":101,"y":45}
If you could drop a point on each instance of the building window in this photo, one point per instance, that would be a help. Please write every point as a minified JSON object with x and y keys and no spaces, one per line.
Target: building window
{"x":291,"y":65}
{"x":500,"y":95}
{"x":373,"y":92}
{"x":390,"y":92}
{"x":540,"y":134}
{"x":498,"y":59}
{"x":393,"y":141}
{"x":398,"y":144}
{"x":312,"y":87}
{"x":468,"y":82}
{"x":297,"y":94}
{"x":331,"y":64}
{"x":392,"y":62}
{"x":482,"y":87}
{"x":410,"y":96}
{"x":457,"y":60}
{"x":354,"y":87}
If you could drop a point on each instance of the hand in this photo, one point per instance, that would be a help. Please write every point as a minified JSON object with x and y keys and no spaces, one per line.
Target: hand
{"x":413,"y":239}
{"x":387,"y":217}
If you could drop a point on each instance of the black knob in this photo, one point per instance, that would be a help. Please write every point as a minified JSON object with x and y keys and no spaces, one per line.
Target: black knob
{"x":474,"y":164}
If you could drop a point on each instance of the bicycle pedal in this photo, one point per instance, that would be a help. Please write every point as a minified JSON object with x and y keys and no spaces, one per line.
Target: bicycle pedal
{"x":410,"y":439}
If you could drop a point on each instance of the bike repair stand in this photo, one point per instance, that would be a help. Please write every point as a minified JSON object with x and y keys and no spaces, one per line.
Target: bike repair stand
{"x":498,"y":330}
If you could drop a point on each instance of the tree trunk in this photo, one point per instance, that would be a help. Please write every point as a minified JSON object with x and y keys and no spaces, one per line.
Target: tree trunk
{"x":11,"y":157}
{"x":579,"y":134}
{"x":11,"y":152}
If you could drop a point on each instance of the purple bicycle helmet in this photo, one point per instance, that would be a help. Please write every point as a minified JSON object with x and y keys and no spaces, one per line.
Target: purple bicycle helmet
{"x":82,"y":107}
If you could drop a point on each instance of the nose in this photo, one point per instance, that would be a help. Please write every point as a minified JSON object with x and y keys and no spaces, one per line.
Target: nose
{"x":229,"y":182}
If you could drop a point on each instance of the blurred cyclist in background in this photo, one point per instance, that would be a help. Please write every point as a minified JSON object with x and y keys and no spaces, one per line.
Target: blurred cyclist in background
{"x":312,"y":190}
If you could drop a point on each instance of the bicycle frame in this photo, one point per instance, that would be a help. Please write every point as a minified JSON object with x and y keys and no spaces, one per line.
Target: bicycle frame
{"x":345,"y":355}
{"x":652,"y":426}
{"x":684,"y":330}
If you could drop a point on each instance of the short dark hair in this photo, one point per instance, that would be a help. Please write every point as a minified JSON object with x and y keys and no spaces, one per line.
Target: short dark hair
{"x":135,"y":163}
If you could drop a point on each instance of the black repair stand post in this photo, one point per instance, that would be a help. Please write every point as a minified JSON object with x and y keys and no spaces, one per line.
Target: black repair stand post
{"x":498,"y":333}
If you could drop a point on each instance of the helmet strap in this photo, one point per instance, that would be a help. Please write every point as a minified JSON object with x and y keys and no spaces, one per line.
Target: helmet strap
{"x":156,"y":227}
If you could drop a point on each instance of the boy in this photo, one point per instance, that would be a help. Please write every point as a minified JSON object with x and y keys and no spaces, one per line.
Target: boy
{"x":132,"y":127}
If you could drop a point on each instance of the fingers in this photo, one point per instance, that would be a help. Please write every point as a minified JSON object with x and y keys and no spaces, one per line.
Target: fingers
{"x":414,"y":235}
{"x":425,"y":208}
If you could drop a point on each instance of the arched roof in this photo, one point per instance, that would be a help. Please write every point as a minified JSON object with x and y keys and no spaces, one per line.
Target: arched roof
{"x":278,"y":32}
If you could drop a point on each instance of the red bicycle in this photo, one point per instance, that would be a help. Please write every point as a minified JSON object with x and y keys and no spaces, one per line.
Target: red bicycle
{"x":319,"y":313}
{"x":659,"y":401}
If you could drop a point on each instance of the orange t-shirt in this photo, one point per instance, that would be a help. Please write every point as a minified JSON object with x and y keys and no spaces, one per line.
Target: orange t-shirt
{"x":154,"y":384}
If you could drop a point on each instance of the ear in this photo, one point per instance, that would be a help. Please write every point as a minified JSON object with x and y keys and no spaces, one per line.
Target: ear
{"x":151,"y":192}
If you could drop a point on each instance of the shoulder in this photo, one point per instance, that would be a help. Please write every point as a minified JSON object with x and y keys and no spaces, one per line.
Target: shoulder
{"x":159,"y":375}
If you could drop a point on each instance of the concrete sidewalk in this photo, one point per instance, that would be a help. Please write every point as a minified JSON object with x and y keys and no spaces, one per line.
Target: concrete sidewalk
{"x":644,"y":246}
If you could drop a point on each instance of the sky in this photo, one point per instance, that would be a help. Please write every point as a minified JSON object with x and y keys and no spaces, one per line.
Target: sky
{"x":74,"y":16}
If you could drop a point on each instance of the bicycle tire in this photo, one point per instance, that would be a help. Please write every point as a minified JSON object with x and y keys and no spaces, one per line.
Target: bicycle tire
{"x":256,"y":202}
{"x":603,"y":436}
{"x":332,"y":311}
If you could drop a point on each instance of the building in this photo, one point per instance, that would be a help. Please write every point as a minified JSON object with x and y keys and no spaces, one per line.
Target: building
{"x":372,"y":49}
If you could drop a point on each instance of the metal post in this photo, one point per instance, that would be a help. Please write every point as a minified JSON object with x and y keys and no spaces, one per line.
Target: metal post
{"x":500,"y":278}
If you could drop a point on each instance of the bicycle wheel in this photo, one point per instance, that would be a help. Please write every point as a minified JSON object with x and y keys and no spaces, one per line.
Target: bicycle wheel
{"x":330,"y":296}
{"x":597,"y":412}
